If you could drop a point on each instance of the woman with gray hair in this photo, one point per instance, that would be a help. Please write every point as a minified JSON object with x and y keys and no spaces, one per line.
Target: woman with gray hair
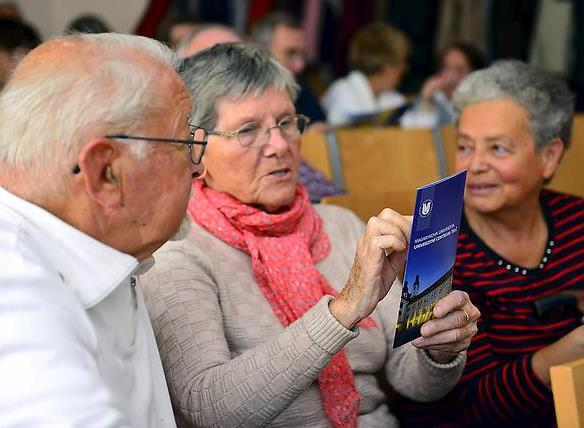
{"x":257,"y":311}
{"x":519,"y":243}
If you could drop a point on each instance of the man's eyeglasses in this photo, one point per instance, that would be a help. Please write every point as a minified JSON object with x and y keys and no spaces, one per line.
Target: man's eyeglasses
{"x":196,"y":144}
{"x":254,"y":134}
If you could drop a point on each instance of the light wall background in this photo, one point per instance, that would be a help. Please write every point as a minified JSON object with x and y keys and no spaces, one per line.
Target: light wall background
{"x":51,"y":17}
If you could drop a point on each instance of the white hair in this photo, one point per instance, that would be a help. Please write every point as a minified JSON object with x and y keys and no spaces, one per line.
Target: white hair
{"x":47,"y":115}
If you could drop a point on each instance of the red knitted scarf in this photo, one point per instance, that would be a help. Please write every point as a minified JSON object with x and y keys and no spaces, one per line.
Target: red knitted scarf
{"x":284,"y":249}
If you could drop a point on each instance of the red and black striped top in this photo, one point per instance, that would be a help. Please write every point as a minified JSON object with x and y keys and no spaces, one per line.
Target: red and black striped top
{"x":498,"y":387}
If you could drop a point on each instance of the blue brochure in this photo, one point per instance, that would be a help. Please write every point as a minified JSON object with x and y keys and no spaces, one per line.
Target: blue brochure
{"x":431,"y":254}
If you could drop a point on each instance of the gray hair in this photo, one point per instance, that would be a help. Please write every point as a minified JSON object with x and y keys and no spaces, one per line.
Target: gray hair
{"x":545,"y":96}
{"x":263,"y":31}
{"x":48,"y":114}
{"x":231,"y":71}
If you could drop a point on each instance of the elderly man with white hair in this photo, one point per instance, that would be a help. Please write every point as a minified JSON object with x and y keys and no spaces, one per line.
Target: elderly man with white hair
{"x":96,"y":161}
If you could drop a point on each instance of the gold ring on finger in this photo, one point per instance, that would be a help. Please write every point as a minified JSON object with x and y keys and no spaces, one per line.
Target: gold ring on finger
{"x":467,"y":317}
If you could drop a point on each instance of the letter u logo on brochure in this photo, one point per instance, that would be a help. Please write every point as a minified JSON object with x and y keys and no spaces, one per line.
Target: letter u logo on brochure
{"x":426,"y":208}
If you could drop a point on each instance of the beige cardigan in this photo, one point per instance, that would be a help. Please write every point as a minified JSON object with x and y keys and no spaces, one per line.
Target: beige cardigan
{"x":228,"y":360}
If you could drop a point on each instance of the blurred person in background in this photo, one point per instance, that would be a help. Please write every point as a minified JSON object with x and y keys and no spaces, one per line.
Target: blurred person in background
{"x":16,"y":40}
{"x":173,"y":30}
{"x":265,"y":313}
{"x":96,"y":163}
{"x":434,"y":107}
{"x":378,"y":55}
{"x":89,"y":24}
{"x":518,"y":243}
{"x":205,"y":36}
{"x":10,"y":10}
{"x":282,"y":36}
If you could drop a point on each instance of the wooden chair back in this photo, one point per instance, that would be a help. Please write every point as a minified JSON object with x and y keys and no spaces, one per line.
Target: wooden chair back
{"x":314,"y":151}
{"x":386,"y":160}
{"x":569,"y":178}
{"x":568,"y":390}
{"x":448,"y":134}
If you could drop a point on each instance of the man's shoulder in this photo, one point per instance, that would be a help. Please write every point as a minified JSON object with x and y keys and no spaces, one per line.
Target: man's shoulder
{"x":35,"y":299}
{"x":46,"y":338}
{"x":24,"y":273}
{"x":13,"y":241}
{"x":10,"y":226}
{"x":17,"y":251}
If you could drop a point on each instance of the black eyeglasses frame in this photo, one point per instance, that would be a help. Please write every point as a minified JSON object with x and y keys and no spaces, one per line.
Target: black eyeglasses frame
{"x":189,"y":143}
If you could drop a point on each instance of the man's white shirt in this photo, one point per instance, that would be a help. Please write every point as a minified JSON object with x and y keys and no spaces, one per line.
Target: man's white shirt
{"x":76,"y":345}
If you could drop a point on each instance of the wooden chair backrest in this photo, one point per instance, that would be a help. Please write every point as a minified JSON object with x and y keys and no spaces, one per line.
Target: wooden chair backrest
{"x":568,"y":391}
{"x":448,"y":134}
{"x":569,"y":177}
{"x":314,"y":151}
{"x":366,"y":205}
{"x":382,"y":160}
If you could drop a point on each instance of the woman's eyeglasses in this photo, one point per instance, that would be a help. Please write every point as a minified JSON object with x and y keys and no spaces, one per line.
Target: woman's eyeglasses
{"x":255,"y":134}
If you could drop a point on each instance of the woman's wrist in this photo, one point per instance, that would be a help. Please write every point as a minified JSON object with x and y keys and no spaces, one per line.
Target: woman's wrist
{"x":570,"y":347}
{"x":324,"y":329}
{"x":540,"y":367}
{"x":341,"y":311}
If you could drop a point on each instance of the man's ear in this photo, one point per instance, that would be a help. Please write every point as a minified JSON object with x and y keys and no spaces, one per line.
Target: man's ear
{"x":551,"y":156}
{"x":98,"y":162}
